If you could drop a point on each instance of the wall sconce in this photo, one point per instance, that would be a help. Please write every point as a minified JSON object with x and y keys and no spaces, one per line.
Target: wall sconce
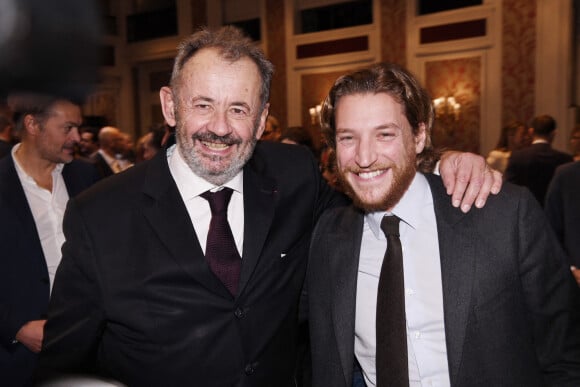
{"x":315,"y":114}
{"x":447,"y":112}
{"x":446,"y":107}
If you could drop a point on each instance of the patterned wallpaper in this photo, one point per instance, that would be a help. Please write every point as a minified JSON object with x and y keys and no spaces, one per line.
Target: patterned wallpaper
{"x":276,"y":52}
{"x":394,"y":31}
{"x":518,"y":60}
{"x":315,"y":87}
{"x":459,"y":78}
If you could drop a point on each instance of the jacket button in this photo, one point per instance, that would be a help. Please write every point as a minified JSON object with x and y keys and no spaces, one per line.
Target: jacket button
{"x":249,"y":369}
{"x":239,"y":313}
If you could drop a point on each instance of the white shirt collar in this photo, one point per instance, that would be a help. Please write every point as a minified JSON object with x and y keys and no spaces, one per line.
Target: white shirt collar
{"x":409,"y":207}
{"x":20,"y":170}
{"x":189,"y":184}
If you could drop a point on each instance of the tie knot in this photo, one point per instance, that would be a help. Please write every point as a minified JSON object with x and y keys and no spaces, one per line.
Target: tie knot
{"x":390,"y":225}
{"x":218,"y":201}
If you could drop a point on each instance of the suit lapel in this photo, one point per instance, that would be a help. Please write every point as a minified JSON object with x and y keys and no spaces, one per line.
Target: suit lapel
{"x":168,"y":217}
{"x":14,"y":198}
{"x":457,"y":249}
{"x":260,"y":193}
{"x":343,"y":266}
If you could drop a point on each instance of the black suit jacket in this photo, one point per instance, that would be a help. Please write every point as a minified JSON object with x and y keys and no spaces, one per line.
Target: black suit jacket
{"x":508,"y":295}
{"x":534,"y":166}
{"x":24,"y":283}
{"x":5,"y":148}
{"x":563,"y":208}
{"x":135,"y":300}
{"x":101,"y":164}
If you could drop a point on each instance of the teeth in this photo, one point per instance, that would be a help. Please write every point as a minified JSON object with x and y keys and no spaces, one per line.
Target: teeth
{"x":213,"y":145}
{"x":369,"y":175}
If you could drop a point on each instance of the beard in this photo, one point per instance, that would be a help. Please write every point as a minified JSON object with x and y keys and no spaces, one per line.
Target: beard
{"x":402,"y":178}
{"x":215,"y":169}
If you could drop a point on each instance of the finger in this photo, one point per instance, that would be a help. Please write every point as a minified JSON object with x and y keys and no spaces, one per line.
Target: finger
{"x":497,"y":181}
{"x":460,"y":188}
{"x":487,"y":185}
{"x":473,"y":188}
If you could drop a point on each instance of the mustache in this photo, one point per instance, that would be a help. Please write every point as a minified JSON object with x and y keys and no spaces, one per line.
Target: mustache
{"x":228,"y":139}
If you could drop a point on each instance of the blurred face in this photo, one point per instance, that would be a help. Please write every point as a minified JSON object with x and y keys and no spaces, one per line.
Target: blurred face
{"x":87,"y":144}
{"x":55,"y":137}
{"x":375,"y":150}
{"x":217,"y":114}
{"x":149,"y":151}
{"x":575,"y":143}
{"x":271,"y":133}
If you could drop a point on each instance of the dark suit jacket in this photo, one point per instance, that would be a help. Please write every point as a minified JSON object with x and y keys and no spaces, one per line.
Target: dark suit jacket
{"x":24,"y":283}
{"x":563,"y":208}
{"x":534,"y":166}
{"x":507,"y":294}
{"x":5,"y":148}
{"x":101,"y":164}
{"x":135,"y":297}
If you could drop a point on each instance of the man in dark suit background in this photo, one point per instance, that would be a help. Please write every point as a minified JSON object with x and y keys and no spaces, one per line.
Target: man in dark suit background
{"x":563,"y":210}
{"x":486,"y":299}
{"x":36,"y":181}
{"x":137,"y":298}
{"x":6,"y":128}
{"x":533,"y":166}
{"x":107,"y":158}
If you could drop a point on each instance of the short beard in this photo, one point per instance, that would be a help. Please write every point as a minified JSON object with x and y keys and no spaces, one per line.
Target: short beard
{"x":402,"y":179}
{"x":222,"y":173}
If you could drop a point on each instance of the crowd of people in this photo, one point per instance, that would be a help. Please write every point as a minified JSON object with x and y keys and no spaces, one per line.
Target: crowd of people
{"x":197,"y":256}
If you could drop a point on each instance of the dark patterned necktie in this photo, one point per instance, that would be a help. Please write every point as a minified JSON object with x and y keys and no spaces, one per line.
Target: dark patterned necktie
{"x":391,"y":354}
{"x":221,"y":252}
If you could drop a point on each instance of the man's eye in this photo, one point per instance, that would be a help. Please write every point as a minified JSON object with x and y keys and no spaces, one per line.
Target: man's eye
{"x":238,"y":111}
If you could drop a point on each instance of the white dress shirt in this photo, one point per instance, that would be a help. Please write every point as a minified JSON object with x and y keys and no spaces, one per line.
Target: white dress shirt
{"x":47,"y":210}
{"x":427,"y":353}
{"x":190,"y":186}
{"x":117,"y":164}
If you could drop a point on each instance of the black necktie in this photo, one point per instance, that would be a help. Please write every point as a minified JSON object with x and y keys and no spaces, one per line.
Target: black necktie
{"x":391,"y":356}
{"x":221,"y":252}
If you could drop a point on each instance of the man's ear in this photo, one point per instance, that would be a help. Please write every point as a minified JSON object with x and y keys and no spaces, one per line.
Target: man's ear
{"x":420,"y":138}
{"x":167,"y":105}
{"x":30,"y":125}
{"x":262,"y":124}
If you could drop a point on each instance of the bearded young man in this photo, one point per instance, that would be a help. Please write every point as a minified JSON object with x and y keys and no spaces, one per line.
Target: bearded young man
{"x":486,"y":298}
{"x":137,"y":297}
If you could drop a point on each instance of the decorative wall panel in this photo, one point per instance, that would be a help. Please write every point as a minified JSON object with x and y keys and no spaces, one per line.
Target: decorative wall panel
{"x":518,"y":59}
{"x":461,"y":79}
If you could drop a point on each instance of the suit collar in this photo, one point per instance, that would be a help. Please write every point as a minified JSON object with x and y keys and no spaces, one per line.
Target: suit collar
{"x":457,"y":249}
{"x":167,"y":215}
{"x":260,"y":198}
{"x":343,"y":267}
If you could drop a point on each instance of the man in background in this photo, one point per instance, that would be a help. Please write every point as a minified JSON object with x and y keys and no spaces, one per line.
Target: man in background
{"x":533,"y":166}
{"x":6,"y":128}
{"x":89,"y":141}
{"x":109,"y":158}
{"x":36,"y":181}
{"x":575,"y":142}
{"x":563,"y":210}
